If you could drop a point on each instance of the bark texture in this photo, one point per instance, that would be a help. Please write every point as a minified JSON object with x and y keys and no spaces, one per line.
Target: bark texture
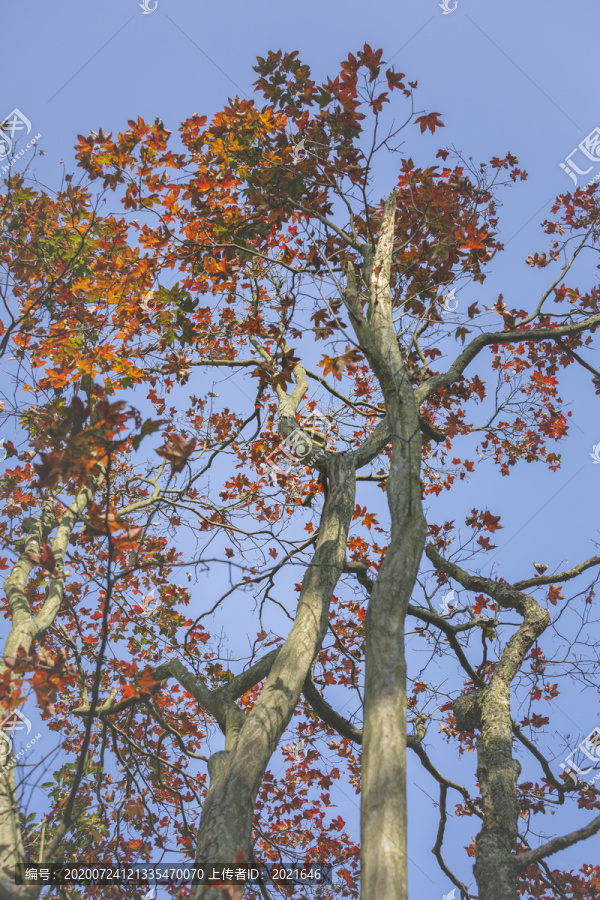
{"x":25,"y":628}
{"x":383,"y":806}
{"x":236,"y":773}
{"x":488,"y":710}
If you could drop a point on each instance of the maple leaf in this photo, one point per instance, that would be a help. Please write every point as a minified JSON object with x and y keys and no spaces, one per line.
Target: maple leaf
{"x":130,"y":539}
{"x":51,"y":470}
{"x":431,"y":121}
{"x":285,"y":374}
{"x":337,"y":364}
{"x":147,"y":682}
{"x":102,"y":522}
{"x":149,"y":427}
{"x":177,"y":450}
{"x":50,"y":677}
{"x":9,"y":449}
{"x":46,"y":560}
{"x":480,"y":603}
{"x":331,"y":364}
{"x":490,"y":522}
{"x":554,"y":594}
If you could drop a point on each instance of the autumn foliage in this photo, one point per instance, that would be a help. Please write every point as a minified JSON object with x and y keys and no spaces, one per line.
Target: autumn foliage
{"x":150,"y":349}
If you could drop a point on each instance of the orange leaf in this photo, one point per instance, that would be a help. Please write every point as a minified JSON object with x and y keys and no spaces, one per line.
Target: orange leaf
{"x":490,"y":522}
{"x":130,"y":539}
{"x":554,"y":594}
{"x":431,"y":121}
{"x":147,"y":681}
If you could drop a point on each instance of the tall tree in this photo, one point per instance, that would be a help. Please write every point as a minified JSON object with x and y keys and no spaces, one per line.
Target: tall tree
{"x":267,"y":219}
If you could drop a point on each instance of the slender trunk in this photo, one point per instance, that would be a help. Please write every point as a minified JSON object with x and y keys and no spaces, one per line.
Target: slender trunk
{"x":497,"y":773}
{"x":487,"y":709}
{"x":383,"y":809}
{"x":227,"y":815}
{"x":383,"y":769}
{"x":497,"y":770}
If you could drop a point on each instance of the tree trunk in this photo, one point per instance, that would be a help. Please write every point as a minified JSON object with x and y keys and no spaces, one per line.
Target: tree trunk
{"x":497,"y":773}
{"x":383,"y":809}
{"x":227,"y":815}
{"x":383,"y":769}
{"x":488,"y":710}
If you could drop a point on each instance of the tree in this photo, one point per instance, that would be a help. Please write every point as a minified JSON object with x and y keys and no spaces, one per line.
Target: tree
{"x":276,"y":243}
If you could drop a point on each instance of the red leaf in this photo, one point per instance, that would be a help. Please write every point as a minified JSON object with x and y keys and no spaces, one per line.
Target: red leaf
{"x":490,"y":522}
{"x":46,"y":560}
{"x":431,"y":121}
{"x":146,"y":682}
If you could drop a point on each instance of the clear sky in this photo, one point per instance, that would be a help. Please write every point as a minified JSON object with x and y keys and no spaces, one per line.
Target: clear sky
{"x":508,"y":76}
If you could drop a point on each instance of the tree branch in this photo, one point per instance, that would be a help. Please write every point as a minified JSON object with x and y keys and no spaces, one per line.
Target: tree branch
{"x":524,"y":860}
{"x":328,"y":714}
{"x":445,"y":379}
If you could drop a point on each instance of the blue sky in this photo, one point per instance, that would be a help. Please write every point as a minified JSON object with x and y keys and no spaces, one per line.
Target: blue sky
{"x":504,"y":77}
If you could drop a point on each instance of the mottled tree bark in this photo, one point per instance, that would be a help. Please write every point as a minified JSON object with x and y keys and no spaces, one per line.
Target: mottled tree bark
{"x":236,"y":773}
{"x":383,"y":808}
{"x":488,"y":710}
{"x":25,"y":628}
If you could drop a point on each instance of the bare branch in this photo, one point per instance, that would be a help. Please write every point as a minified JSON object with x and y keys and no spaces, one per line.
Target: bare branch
{"x":524,"y":860}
